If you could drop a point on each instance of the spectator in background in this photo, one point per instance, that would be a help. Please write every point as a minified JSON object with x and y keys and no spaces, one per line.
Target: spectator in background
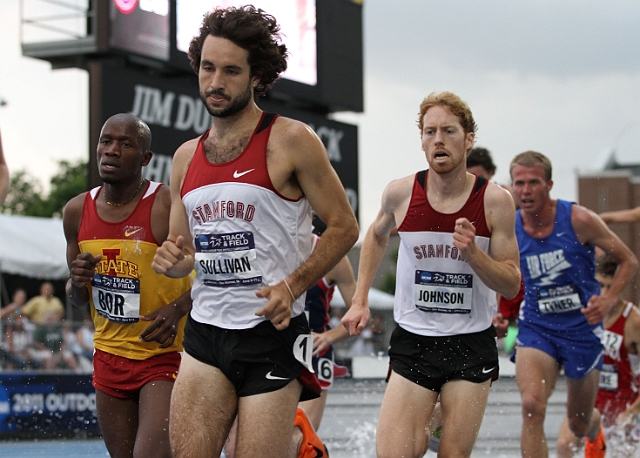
{"x":4,"y":176}
{"x":71,"y":345}
{"x":17,"y":301}
{"x":44,"y":308}
{"x":49,"y":346}
{"x":84,"y":338}
{"x":17,"y":345}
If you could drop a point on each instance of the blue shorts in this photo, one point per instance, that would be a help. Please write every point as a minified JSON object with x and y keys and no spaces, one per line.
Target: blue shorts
{"x":579,"y":354}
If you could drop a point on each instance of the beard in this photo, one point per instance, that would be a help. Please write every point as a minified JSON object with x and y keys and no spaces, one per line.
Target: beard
{"x":450,"y":166}
{"x":236,"y":104}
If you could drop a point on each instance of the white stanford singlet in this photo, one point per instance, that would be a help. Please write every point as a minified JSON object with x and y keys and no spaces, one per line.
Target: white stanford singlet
{"x":437,"y":292}
{"x":245,"y":233}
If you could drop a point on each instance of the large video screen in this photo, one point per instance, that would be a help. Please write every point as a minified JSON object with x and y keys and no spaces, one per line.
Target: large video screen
{"x":297,"y":19}
{"x":141,"y":26}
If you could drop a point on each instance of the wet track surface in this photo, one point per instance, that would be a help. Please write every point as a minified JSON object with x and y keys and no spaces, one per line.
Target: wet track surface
{"x":349,"y":424}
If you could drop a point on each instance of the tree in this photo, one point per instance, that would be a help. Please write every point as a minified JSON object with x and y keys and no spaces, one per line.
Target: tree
{"x":25,"y":196}
{"x":71,"y":180}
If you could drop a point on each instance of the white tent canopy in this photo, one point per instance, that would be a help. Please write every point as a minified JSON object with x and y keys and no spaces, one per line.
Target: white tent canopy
{"x":33,"y":247}
{"x":378,"y":300}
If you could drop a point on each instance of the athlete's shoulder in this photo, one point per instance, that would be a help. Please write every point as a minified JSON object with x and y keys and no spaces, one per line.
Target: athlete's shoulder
{"x":396,"y":192}
{"x":400,"y":185}
{"x":497,"y":195}
{"x":583,"y":218}
{"x":291,"y":130}
{"x":72,"y":215}
{"x":73,"y":208}
{"x":186,"y":150}
{"x":163,"y":195}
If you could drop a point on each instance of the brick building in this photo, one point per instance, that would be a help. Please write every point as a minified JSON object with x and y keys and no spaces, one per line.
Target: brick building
{"x":617,"y":187}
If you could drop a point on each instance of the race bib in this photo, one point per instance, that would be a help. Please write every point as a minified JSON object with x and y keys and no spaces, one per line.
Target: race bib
{"x":303,"y":350}
{"x":612,"y":343}
{"x":443,"y":292}
{"x":609,"y":377}
{"x":116,"y":298}
{"x":559,"y":299}
{"x":227,"y":260}
{"x":325,"y":371}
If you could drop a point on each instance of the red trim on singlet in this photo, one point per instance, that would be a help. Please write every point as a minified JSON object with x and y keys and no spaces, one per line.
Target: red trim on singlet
{"x":137,"y":226}
{"x":249,"y":167}
{"x":421,"y":216}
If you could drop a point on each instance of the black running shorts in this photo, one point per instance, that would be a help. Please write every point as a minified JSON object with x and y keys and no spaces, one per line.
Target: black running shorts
{"x":256,"y":360}
{"x":433,"y":361}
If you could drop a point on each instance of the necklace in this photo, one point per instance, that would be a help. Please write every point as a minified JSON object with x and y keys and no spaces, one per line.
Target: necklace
{"x":114,"y":204}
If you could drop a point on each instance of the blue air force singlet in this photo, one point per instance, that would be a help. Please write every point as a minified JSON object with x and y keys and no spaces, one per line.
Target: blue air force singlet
{"x":559,"y":275}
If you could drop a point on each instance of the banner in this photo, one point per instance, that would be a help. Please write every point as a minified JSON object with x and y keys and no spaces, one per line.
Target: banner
{"x":46,"y":404}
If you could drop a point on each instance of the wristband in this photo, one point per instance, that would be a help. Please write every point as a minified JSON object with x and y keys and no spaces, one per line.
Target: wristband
{"x":289,"y":288}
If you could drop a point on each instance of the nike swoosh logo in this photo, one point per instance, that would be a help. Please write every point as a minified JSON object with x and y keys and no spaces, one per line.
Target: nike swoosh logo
{"x":237,"y":174}
{"x":270,"y":376}
{"x":560,"y":234}
{"x":487,"y":371}
{"x":130,"y":233}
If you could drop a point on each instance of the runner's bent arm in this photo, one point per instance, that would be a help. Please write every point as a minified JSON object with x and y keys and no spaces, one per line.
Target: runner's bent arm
{"x":591,"y":230}
{"x":320,"y":184}
{"x":175,"y":257}
{"x":395,"y":200}
{"x":81,"y":265}
{"x":630,"y":215}
{"x":299,"y":166}
{"x":342,"y":276}
{"x":500,"y":268}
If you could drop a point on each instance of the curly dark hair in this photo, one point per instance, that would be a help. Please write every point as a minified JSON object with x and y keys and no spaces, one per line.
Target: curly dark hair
{"x":251,"y":29}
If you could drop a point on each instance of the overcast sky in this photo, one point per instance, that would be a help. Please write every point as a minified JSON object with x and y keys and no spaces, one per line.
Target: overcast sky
{"x":562,"y":78}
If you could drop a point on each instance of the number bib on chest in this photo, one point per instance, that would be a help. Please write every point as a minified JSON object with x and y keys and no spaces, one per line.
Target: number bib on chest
{"x":609,"y":377}
{"x":560,"y":299}
{"x":116,"y":298}
{"x":443,"y":292}
{"x":612,"y":343}
{"x":226,"y":260}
